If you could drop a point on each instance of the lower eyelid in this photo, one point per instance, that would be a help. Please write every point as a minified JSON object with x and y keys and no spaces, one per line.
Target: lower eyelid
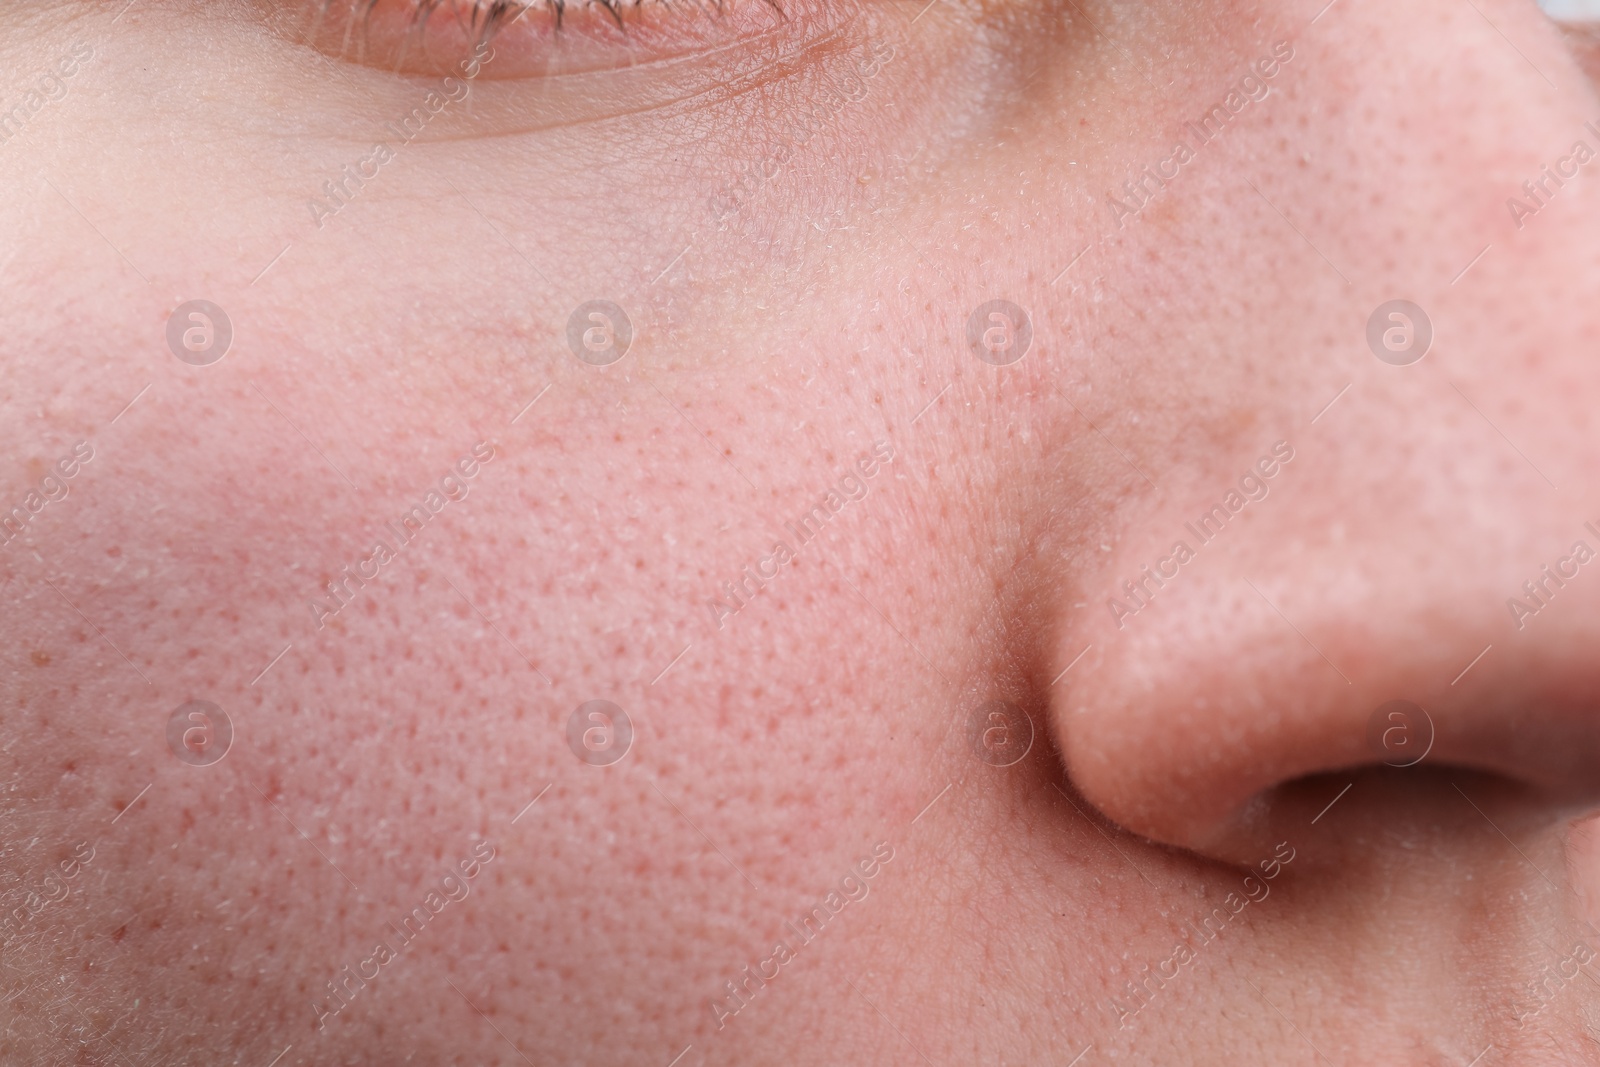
{"x":663,"y":87}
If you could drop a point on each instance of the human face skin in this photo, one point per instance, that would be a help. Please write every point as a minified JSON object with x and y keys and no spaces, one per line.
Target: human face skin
{"x":1204,"y":856}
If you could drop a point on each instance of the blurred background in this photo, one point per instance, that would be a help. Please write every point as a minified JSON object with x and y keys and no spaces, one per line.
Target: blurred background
{"x":1576,"y":10}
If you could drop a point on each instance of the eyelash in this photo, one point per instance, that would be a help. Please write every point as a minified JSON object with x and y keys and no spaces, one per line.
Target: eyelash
{"x":486,"y":17}
{"x":417,"y":35}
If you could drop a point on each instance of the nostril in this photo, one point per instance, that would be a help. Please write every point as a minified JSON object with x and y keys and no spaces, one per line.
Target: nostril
{"x":1400,"y":733}
{"x":1229,"y":798}
{"x":1383,"y":809}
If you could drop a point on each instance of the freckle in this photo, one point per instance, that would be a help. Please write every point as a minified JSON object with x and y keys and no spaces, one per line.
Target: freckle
{"x":40,"y":659}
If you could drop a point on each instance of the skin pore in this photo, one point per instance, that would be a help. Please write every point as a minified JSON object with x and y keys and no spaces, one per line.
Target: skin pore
{"x":938,"y":749}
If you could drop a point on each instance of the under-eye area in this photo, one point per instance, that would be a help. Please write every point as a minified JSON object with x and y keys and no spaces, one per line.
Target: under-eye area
{"x":547,"y":66}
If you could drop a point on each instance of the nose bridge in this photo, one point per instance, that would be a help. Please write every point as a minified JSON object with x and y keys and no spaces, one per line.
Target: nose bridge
{"x":1418,"y":563}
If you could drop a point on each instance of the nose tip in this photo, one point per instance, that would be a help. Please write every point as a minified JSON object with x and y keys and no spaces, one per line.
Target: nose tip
{"x":1284,"y":661}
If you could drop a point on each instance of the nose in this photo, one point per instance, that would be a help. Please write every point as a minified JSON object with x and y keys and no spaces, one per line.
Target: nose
{"x":1227,"y":704}
{"x":1415,"y":590}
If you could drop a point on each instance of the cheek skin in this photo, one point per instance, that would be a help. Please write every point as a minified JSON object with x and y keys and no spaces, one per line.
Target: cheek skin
{"x":469,"y":687}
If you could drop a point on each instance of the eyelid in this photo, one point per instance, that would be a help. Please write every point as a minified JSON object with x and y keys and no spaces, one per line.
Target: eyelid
{"x":740,"y":66}
{"x":537,"y":39}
